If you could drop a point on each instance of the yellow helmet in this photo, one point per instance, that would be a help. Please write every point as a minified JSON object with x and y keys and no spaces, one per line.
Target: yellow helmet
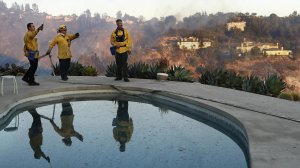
{"x":62,"y":27}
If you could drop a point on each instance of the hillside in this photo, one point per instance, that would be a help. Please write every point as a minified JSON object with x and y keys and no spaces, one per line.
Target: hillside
{"x":264,"y":66}
{"x":150,"y":39}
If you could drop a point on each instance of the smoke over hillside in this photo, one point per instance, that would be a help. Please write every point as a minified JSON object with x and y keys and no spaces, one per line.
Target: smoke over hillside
{"x":152,"y":39}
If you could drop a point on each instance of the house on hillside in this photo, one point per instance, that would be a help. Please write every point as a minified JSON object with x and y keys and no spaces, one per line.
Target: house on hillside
{"x":60,"y":18}
{"x":245,"y":47}
{"x":110,"y":19}
{"x":128,"y":22}
{"x":267,"y":46}
{"x":190,"y":43}
{"x":277,"y":52}
{"x":193,"y":43}
{"x":205,"y":43}
{"x":236,"y":25}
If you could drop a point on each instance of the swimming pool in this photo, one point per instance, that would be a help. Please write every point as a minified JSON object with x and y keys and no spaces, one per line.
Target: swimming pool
{"x":119,"y":131}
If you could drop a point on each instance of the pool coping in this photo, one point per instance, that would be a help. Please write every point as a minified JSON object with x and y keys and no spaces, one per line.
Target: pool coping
{"x":262,"y":145}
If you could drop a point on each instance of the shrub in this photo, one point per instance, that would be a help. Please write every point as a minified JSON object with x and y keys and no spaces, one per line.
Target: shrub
{"x":234,"y":81}
{"x":207,"y":78}
{"x":152,"y":71}
{"x":12,"y":69}
{"x":286,"y":96}
{"x":89,"y":71}
{"x":253,"y":84}
{"x":138,"y":70}
{"x":296,"y":97}
{"x":179,"y":73}
{"x":56,"y":69}
{"x":111,"y":70}
{"x":218,"y":77}
{"x":274,"y":85}
{"x":77,"y":69}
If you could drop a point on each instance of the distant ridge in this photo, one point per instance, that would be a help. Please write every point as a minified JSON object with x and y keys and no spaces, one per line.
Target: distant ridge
{"x":4,"y":59}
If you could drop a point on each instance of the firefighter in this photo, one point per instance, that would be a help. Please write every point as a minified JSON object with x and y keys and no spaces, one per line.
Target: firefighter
{"x":67,"y":129}
{"x":123,"y":125}
{"x":63,"y":41}
{"x":121,"y":41}
{"x":35,"y":134}
{"x":31,"y":52}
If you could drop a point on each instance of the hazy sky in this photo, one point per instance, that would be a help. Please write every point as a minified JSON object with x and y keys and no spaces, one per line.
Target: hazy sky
{"x":158,"y":8}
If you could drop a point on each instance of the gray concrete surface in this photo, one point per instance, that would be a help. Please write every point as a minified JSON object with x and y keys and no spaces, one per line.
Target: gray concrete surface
{"x":273,"y":125}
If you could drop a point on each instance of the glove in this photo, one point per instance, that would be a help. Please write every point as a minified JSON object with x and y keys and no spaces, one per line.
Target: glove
{"x":30,"y":57}
{"x":77,"y":34}
{"x":41,"y":27}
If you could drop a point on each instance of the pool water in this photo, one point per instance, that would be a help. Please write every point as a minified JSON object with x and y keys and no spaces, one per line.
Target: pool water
{"x":108,"y":134}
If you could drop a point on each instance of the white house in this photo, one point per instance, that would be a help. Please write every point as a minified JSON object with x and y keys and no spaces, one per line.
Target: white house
{"x":277,"y":52}
{"x":267,"y":46}
{"x":245,"y":47}
{"x":190,"y":43}
{"x":237,"y":25}
{"x":205,"y":44}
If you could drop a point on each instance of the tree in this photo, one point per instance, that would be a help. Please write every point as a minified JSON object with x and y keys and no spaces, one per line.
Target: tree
{"x":35,"y":8}
{"x":104,"y":16}
{"x":141,"y":19}
{"x":22,"y":8}
{"x":97,"y":18}
{"x":27,"y":8}
{"x":119,"y":15}
{"x":3,"y":5}
{"x":88,"y":14}
{"x":15,"y":6}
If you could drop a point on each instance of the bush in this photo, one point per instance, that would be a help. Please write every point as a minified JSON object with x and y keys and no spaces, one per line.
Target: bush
{"x":274,"y":85}
{"x":89,"y":71}
{"x":138,"y":70}
{"x":218,"y":77}
{"x":234,"y":81}
{"x":12,"y":69}
{"x":296,"y":97}
{"x":179,"y":73}
{"x":56,"y":69}
{"x":253,"y":84}
{"x":271,"y":86}
{"x":77,"y":69}
{"x":286,"y":96}
{"x":223,"y":78}
{"x":111,"y":70}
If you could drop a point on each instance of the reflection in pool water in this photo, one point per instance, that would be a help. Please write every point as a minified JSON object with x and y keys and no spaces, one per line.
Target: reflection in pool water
{"x":67,"y":129}
{"x":102,"y":133}
{"x":35,"y":134}
{"x":123,"y":125}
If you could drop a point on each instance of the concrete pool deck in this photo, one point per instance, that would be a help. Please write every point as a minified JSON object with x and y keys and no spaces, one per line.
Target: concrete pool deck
{"x":272,"y":125}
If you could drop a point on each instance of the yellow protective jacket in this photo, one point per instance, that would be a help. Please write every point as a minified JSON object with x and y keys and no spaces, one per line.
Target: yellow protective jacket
{"x":36,"y":140}
{"x":64,"y":43}
{"x":67,"y":129}
{"x":126,"y":45}
{"x":123,"y":127}
{"x":30,"y":43}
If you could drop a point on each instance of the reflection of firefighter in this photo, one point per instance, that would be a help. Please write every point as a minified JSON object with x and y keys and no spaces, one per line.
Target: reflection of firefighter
{"x":123,"y":125}
{"x":36,"y":135}
{"x":67,"y":128}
